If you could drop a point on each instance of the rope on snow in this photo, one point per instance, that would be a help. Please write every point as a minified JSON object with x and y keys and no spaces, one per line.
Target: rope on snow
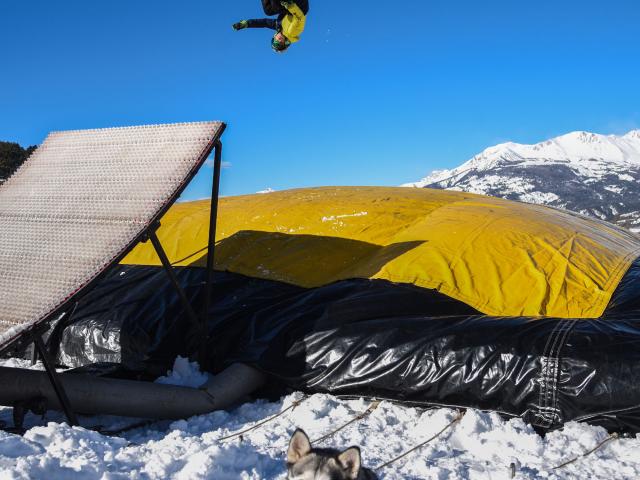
{"x":361,"y":416}
{"x":357,"y":418}
{"x":240,"y":434}
{"x":613,"y":436}
{"x":417,"y":447}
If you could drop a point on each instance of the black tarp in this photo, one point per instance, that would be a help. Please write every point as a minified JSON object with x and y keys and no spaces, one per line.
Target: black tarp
{"x":373,"y":338}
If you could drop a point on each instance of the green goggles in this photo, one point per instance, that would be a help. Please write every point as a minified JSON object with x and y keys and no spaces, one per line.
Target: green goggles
{"x":278,"y":45}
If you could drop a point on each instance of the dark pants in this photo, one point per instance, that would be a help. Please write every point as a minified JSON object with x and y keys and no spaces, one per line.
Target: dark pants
{"x":271,"y":23}
{"x":273,"y":7}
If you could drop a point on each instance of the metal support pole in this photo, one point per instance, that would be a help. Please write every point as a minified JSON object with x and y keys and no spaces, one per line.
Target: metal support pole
{"x":213,"y":220}
{"x":55,"y":380}
{"x":172,"y":276}
{"x":34,"y":356}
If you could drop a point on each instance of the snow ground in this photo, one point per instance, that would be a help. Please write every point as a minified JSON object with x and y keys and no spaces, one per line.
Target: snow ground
{"x":481,"y":446}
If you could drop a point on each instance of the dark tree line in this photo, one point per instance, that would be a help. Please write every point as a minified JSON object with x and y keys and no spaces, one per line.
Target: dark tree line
{"x":11,"y":157}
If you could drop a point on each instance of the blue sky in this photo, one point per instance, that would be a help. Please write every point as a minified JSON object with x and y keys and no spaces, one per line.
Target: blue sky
{"x":371,"y":95}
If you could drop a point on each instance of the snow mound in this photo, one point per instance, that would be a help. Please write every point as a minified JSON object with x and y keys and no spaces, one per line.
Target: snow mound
{"x":480,"y":446}
{"x":184,"y":374}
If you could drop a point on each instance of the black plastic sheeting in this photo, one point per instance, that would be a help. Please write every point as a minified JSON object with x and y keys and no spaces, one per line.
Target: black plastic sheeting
{"x":373,"y":338}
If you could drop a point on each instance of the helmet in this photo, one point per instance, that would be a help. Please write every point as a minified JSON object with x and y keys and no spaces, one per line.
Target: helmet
{"x":278,"y":45}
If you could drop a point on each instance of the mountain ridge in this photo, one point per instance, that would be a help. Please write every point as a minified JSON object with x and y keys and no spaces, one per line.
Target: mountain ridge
{"x":589,"y":173}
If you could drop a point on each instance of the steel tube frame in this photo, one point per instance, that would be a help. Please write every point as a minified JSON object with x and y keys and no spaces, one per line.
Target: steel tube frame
{"x":40,"y":349}
{"x":24,"y":339}
{"x":55,"y":380}
{"x":199,"y":323}
{"x":211,"y":246}
{"x":172,"y":277}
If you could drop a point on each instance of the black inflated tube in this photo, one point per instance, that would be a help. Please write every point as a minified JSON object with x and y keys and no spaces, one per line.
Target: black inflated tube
{"x":96,"y":395}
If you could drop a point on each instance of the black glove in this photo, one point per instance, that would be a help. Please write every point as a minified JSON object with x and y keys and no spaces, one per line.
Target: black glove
{"x":241,"y":25}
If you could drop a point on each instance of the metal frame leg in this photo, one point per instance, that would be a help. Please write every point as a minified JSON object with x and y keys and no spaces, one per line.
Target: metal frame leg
{"x":213,"y":220}
{"x":55,"y":381}
{"x":172,"y":276}
{"x":199,"y":324}
{"x":34,"y":356}
{"x":211,"y":248}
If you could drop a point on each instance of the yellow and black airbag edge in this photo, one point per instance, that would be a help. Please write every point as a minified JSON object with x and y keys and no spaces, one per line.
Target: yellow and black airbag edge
{"x":501,"y":257}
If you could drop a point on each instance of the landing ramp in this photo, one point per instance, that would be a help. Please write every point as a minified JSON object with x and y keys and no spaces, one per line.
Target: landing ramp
{"x":80,"y":203}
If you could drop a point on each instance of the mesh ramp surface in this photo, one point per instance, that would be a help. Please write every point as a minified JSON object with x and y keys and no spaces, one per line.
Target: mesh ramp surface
{"x":79,"y":203}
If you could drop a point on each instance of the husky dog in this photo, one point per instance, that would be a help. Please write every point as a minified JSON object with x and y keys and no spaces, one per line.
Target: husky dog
{"x":306,"y":463}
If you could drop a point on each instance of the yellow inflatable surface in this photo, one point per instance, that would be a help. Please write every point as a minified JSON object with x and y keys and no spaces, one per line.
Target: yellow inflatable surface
{"x":501,"y":257}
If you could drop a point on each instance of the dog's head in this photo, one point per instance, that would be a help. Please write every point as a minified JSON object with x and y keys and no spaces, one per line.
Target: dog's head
{"x":306,"y":463}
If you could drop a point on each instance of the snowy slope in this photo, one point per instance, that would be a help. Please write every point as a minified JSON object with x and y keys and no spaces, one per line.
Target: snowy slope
{"x":481,"y":446}
{"x":585,"y":172}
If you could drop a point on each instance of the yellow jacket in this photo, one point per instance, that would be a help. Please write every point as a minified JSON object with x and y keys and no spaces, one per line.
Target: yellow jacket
{"x":293,"y":23}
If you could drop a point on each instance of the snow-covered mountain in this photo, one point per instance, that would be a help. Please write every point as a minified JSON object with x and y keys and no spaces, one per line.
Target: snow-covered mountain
{"x":597,"y":175}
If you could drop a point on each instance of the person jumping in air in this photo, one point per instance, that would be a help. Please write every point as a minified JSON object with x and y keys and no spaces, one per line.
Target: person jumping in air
{"x":288,"y":26}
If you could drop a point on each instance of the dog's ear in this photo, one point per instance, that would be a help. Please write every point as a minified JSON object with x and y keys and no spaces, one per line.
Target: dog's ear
{"x":351,"y":461}
{"x":299,"y":446}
